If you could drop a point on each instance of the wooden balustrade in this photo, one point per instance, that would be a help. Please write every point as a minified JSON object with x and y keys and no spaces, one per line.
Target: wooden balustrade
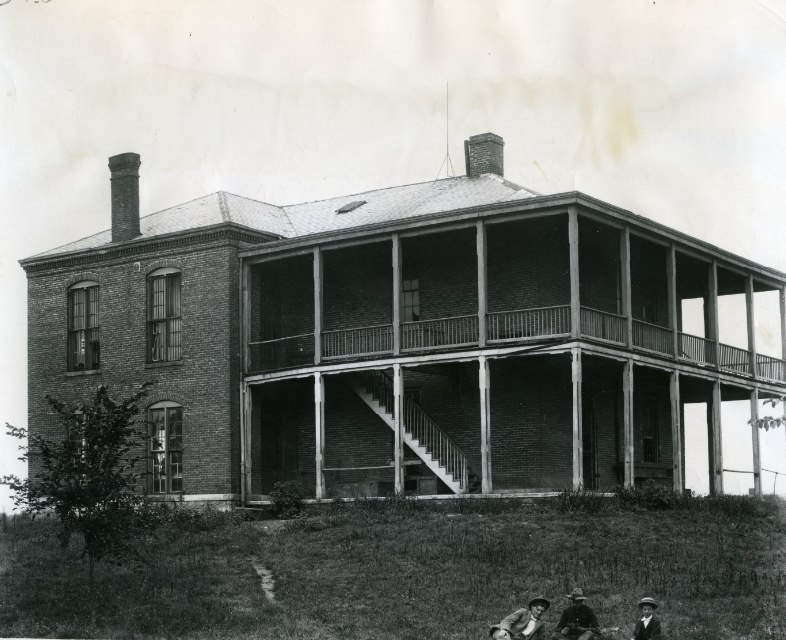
{"x":603,"y":325}
{"x":543,"y":322}
{"x":442,"y":332}
{"x":360,"y":341}
{"x":653,"y":337}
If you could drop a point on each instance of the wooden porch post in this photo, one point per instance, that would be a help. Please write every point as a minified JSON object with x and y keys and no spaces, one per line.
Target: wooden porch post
{"x":627,"y":429}
{"x":245,"y":443}
{"x":319,"y":432}
{"x":245,"y":318}
{"x":782,"y":296}
{"x":396,"y":294}
{"x":756,"y":443}
{"x":482,"y":284}
{"x":751,"y":320}
{"x":627,"y":310}
{"x":398,"y":426}
{"x":676,"y":432}
{"x":484,"y":384}
{"x":317,"y":305}
{"x":711,"y":312}
{"x":715,"y":441}
{"x":575,"y":294}
{"x":578,"y":446}
{"x":671,"y":272}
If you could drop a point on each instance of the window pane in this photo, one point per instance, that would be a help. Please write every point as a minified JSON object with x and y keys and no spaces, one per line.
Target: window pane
{"x":158,"y":429}
{"x":78,"y":309}
{"x":176,"y":470}
{"x":92,"y":307}
{"x":173,"y":283}
{"x":173,"y":334}
{"x":175,"y":425}
{"x":157,"y":341}
{"x":159,"y":473}
{"x":157,"y":298}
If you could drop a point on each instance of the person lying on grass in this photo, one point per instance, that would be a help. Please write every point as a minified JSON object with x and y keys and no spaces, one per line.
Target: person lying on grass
{"x":647,"y":627}
{"x":578,"y":621}
{"x":523,"y":623}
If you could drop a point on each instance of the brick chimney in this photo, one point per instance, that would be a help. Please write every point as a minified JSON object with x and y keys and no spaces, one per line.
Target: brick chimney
{"x":125,"y":196}
{"x":483,"y":153}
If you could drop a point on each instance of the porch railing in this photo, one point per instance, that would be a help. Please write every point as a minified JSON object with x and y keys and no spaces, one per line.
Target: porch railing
{"x":770,"y":368}
{"x":528,"y":323}
{"x":421,"y":427}
{"x":602,"y":325}
{"x":282,"y":353}
{"x":360,"y":341}
{"x":697,"y":350}
{"x":653,"y":337}
{"x":735,"y":359}
{"x":444,"y":332}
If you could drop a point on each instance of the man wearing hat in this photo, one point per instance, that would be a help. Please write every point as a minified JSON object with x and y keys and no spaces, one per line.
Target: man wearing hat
{"x":647,"y":628}
{"x":523,"y":623}
{"x":578,"y":621}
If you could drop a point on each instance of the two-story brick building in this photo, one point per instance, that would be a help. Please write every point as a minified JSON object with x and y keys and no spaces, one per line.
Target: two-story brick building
{"x":464,"y":335}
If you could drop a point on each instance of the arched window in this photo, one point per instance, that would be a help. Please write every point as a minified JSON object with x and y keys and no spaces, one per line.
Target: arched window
{"x":84,"y":345}
{"x":163,"y":316}
{"x":166,"y":447}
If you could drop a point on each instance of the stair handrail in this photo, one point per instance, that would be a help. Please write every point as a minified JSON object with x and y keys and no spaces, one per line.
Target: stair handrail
{"x":427,"y":431}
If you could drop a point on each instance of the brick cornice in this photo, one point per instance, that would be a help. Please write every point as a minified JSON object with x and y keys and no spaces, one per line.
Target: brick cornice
{"x":224,"y":232}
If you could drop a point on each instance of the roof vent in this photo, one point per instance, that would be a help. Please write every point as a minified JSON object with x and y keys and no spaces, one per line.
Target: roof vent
{"x":351,"y":206}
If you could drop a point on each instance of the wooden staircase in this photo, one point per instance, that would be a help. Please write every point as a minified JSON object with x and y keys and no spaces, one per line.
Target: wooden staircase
{"x":420,"y":433}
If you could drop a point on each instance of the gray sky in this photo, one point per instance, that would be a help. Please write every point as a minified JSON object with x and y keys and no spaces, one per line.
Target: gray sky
{"x":674,"y":110}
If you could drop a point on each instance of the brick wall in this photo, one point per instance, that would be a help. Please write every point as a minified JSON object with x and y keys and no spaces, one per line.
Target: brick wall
{"x":204,"y":382}
{"x":528,"y":264}
{"x":445,"y":265}
{"x":357,"y":287}
{"x":599,"y":266}
{"x":531,"y":423}
{"x":648,"y":281}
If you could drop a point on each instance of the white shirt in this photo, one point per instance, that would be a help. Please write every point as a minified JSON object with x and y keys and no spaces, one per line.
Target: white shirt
{"x":646,"y":621}
{"x":530,"y":626}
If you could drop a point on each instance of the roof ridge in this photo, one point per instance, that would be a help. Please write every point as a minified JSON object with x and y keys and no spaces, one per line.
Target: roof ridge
{"x":182,"y":204}
{"x":361,"y":193}
{"x":223,"y":207}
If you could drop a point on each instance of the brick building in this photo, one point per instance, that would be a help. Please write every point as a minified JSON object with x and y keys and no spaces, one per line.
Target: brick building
{"x":464,"y":335}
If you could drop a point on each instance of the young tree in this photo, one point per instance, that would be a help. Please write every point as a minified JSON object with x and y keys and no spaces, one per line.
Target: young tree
{"x":88,"y":477}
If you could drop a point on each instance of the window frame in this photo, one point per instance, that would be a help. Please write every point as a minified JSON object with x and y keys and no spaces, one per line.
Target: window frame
{"x":164,"y":316}
{"x":83,"y":334}
{"x":165,"y":454}
{"x":410,"y":300}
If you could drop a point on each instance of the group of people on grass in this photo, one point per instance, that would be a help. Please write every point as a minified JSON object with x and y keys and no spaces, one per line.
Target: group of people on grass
{"x":578,"y":621}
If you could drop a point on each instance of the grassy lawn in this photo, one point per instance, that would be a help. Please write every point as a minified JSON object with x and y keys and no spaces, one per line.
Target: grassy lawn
{"x":404,"y":570}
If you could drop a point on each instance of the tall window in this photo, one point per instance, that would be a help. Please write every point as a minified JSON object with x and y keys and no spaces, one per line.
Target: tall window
{"x":163,"y":316}
{"x":410,"y":300}
{"x":650,"y":431}
{"x":166,"y":447}
{"x":84,"y":346}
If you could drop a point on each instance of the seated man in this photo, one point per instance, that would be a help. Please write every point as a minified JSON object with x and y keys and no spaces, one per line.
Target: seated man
{"x":523,"y":623}
{"x":578,"y":621}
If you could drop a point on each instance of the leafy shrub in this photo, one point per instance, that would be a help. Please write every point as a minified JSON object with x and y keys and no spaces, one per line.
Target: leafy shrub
{"x":582,"y":500}
{"x":287,"y":499}
{"x":650,"y":497}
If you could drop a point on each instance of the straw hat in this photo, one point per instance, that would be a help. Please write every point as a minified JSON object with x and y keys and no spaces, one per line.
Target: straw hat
{"x":576,"y":595}
{"x":648,"y":601}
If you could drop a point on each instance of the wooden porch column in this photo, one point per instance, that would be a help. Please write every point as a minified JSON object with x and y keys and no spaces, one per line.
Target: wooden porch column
{"x":578,"y":445}
{"x":245,"y":443}
{"x":782,"y":296}
{"x":398,"y":426}
{"x":319,"y":432}
{"x":575,"y":293}
{"x":751,"y":320}
{"x":245,"y":317}
{"x":756,"y":444}
{"x":676,"y":432}
{"x":484,"y":384}
{"x":482,"y":284}
{"x":396,"y":294}
{"x":627,"y":428}
{"x":711,"y":311}
{"x":317,"y":305}
{"x":715,"y":444}
{"x":671,"y":273}
{"x":626,"y":309}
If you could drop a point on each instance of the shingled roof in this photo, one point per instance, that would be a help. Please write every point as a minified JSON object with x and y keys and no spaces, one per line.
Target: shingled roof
{"x":380,"y":205}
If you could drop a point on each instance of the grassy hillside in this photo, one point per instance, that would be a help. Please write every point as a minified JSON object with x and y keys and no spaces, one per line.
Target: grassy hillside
{"x":404,"y":570}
